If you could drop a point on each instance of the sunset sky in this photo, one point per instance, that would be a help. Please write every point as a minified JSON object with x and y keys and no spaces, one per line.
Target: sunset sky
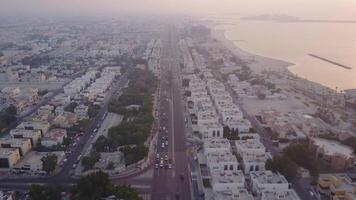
{"x":332,"y":9}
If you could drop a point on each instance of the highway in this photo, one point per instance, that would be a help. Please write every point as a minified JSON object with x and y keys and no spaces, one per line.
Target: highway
{"x":171,"y":183}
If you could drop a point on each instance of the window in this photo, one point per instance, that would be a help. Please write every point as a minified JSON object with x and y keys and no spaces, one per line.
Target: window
{"x":231,"y":167}
{"x":225,"y":167}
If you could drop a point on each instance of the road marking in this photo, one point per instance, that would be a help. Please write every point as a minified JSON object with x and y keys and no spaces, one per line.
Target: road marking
{"x":172,"y":111}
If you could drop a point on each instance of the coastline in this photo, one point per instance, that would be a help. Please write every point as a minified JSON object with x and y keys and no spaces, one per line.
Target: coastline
{"x":259,"y":63}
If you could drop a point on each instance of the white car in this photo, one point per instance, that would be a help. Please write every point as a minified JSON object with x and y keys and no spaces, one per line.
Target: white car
{"x":169,"y":166}
{"x":157,"y":156}
{"x":167,"y":143}
{"x":162,"y":145}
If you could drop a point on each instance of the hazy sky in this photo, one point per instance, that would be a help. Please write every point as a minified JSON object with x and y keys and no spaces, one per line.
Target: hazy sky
{"x":335,"y":9}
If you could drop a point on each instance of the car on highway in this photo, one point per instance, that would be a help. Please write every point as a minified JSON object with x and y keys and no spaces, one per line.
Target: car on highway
{"x":162,"y":145}
{"x":156,"y":166}
{"x":181,"y":176}
{"x":166,"y":143}
{"x":157,"y":155}
{"x":170,"y":166}
{"x":74,"y":166}
{"x":161,"y":163}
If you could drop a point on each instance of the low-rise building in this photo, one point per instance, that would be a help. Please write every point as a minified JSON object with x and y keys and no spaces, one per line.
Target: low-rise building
{"x":253,"y":154}
{"x":337,"y":155}
{"x":221,"y":161}
{"x":81,"y":111}
{"x":34,"y":125}
{"x":54,"y":137}
{"x":45,"y":110}
{"x":268,"y":181}
{"x":31,"y":164}
{"x":336,"y":186}
{"x":227,"y":180}
{"x":24,"y":145}
{"x":33,"y":135}
{"x":9,"y":157}
{"x":236,"y":194}
{"x":213,"y":145}
{"x":280,"y":195}
{"x":211,"y":130}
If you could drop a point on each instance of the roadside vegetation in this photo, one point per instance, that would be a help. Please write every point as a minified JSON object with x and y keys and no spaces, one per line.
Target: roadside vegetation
{"x":301,"y":154}
{"x":7,"y":117}
{"x":135,"y":104}
{"x":92,"y":187}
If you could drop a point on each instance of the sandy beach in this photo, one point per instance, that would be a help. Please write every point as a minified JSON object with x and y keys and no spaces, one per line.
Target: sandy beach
{"x":256,"y":62}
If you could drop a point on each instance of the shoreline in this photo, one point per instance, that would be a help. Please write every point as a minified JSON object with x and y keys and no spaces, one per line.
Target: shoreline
{"x":260,"y":62}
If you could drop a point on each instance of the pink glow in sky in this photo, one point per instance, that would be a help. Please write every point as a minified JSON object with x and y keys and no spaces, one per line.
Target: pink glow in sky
{"x":335,"y":9}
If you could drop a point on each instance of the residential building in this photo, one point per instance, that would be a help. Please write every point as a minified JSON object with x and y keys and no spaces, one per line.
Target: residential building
{"x":24,"y":145}
{"x":54,"y":137}
{"x":9,"y":157}
{"x":33,"y":135}
{"x":221,"y":161}
{"x":81,"y":111}
{"x":253,"y":154}
{"x":336,"y":186}
{"x":227,"y":180}
{"x":235,"y":194}
{"x":212,"y":145}
{"x":268,"y":180}
{"x":337,"y":155}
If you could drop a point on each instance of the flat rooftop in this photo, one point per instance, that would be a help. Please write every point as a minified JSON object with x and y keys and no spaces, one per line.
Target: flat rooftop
{"x":333,"y":147}
{"x":268,"y":177}
{"x":228,"y":177}
{"x":284,"y":195}
{"x":217,"y":143}
{"x":239,"y":194}
{"x":221,"y":156}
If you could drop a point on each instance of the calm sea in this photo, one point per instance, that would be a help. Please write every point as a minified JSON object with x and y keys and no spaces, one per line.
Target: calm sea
{"x":293,"y":41}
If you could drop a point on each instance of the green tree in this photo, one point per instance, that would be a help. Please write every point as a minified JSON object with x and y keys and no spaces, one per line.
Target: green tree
{"x":110,"y":166}
{"x":89,"y":161}
{"x":70,"y":107}
{"x":283,"y":165}
{"x":93,"y":110}
{"x":351,"y":142}
{"x":37,"y":192}
{"x":49,"y":163}
{"x":304,"y":154}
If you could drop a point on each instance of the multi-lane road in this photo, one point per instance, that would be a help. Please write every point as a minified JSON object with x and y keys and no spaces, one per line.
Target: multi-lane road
{"x":171,"y":183}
